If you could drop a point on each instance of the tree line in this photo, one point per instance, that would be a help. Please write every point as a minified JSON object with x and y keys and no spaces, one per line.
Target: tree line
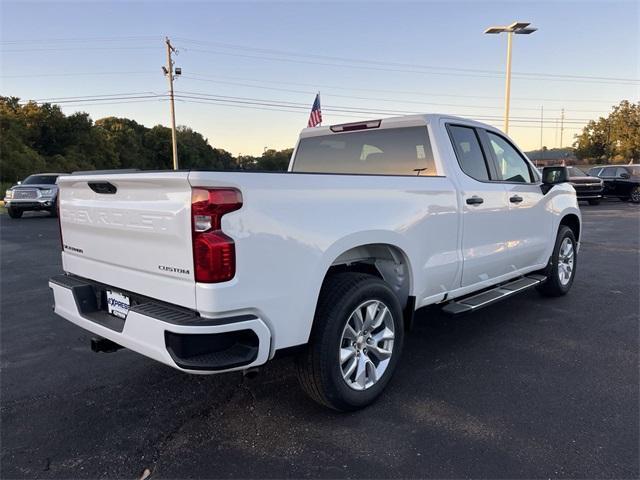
{"x":612,"y":139}
{"x":41,"y":138}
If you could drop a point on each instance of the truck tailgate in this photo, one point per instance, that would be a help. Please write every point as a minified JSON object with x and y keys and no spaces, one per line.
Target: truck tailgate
{"x":130,"y":231}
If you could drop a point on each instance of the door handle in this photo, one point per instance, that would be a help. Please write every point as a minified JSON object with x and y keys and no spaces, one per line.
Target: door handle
{"x":475,"y":200}
{"x":515,"y":199}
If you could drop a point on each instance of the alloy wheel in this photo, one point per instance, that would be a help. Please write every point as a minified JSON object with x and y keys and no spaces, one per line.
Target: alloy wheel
{"x":366,"y":344}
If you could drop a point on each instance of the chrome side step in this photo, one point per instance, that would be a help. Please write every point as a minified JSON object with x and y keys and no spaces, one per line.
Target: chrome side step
{"x":479,"y":300}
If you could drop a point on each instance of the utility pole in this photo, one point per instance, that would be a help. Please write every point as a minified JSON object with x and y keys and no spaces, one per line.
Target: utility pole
{"x":168,"y":71}
{"x":541,"y":127}
{"x":561,"y":125}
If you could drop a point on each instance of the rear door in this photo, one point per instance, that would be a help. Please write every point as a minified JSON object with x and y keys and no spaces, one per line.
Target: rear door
{"x":484,"y":206}
{"x":130,"y":231}
{"x":529,"y":225}
{"x":622,"y":183}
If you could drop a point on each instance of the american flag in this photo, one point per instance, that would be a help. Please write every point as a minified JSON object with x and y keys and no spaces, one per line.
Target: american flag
{"x":315,"y":118}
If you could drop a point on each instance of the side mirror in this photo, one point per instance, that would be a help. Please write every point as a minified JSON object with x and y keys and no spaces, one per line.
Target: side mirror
{"x":552,"y":176}
{"x":625,"y":176}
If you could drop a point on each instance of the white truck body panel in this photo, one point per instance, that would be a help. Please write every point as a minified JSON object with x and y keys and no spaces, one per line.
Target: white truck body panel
{"x":293,"y":227}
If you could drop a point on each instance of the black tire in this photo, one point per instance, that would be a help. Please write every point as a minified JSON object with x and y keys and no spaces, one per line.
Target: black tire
{"x":594,"y":202}
{"x":14,"y":212}
{"x":554,"y":287}
{"x":53,"y":212}
{"x":635,"y":194}
{"x":319,"y":370}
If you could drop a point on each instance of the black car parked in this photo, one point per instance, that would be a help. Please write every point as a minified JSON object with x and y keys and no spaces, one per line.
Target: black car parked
{"x":587,"y":187}
{"x":621,"y":181}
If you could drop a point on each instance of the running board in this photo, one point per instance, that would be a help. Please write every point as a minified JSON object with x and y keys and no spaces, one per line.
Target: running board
{"x":488,"y":297}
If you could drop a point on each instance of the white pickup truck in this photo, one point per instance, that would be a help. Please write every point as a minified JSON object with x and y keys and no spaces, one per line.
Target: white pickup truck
{"x":210,"y":272}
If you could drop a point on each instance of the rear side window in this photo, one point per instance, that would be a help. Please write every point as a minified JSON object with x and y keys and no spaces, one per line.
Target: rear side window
{"x":470,"y":156}
{"x":390,"y":151}
{"x":620,"y":171}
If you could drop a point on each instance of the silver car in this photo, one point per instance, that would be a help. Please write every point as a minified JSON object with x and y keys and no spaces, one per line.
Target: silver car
{"x":37,"y":192}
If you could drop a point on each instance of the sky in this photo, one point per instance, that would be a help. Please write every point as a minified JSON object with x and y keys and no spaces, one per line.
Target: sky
{"x":250,"y":70}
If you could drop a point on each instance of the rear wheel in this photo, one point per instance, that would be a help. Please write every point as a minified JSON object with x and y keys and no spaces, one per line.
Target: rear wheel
{"x":562,"y":268}
{"x":635,"y":194}
{"x":594,"y":202}
{"x":14,"y":212}
{"x":355,"y":343}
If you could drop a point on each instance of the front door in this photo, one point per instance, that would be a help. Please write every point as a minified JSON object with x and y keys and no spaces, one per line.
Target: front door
{"x":528,"y":224}
{"x":484,"y":206}
{"x":608,"y":176}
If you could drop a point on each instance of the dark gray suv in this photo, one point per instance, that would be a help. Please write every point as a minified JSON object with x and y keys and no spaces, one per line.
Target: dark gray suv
{"x":37,"y":192}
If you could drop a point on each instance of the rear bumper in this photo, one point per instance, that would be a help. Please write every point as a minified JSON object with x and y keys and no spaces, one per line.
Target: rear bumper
{"x":176,"y":337}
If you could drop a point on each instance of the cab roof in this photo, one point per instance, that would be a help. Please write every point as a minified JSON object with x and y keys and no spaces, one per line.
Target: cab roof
{"x":392,"y":122}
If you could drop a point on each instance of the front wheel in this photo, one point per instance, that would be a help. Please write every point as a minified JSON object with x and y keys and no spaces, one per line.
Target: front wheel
{"x":355,"y":342}
{"x":594,"y":202}
{"x":14,"y":212}
{"x":562,"y":268}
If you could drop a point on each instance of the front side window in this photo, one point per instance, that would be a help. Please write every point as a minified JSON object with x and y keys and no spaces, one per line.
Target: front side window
{"x":470,"y":156}
{"x":608,"y":172}
{"x":390,"y":151}
{"x":511,"y":166}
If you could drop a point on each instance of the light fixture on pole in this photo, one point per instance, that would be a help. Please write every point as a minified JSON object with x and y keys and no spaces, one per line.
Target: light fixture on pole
{"x":520,"y":28}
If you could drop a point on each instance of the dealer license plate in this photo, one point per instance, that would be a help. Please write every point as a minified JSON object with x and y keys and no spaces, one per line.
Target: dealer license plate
{"x":117,"y":304}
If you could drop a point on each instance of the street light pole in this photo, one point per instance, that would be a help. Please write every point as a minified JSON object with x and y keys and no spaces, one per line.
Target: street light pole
{"x":521,"y":28}
{"x":507,"y":86}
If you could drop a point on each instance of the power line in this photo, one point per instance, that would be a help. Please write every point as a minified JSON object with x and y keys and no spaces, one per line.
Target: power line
{"x":89,"y":100}
{"x":50,"y":99}
{"x":115,"y":102}
{"x":75,"y":74}
{"x":331,"y":108}
{"x":397,"y":64}
{"x":379,"y":99}
{"x":230,"y":46}
{"x":80,"y":39}
{"x":53,"y":49}
{"x":402,"y":92}
{"x":293,"y":109}
{"x":366,"y":67}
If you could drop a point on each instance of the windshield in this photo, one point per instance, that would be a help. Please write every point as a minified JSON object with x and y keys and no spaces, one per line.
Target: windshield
{"x":40,"y":180}
{"x":576,"y":172}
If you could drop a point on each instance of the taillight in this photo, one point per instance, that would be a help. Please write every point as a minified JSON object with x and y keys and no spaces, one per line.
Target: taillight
{"x":214,"y":253}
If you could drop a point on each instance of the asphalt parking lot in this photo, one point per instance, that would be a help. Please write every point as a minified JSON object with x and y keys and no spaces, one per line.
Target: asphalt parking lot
{"x":531,"y":387}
